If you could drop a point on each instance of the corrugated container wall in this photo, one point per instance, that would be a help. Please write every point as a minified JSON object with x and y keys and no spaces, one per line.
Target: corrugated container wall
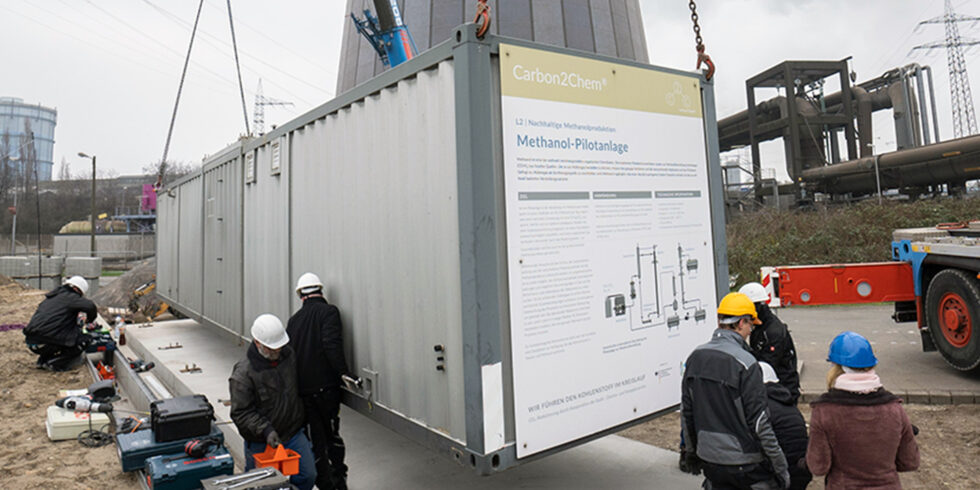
{"x":396,"y":254}
{"x":223,"y":246}
{"x":385,"y":228}
{"x":393,"y":194}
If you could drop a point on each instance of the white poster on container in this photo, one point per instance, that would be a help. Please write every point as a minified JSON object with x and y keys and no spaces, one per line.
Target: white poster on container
{"x":609,"y":249}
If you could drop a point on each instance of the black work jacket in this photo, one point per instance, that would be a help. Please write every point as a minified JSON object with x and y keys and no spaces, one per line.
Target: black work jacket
{"x":56,"y":319}
{"x":316,"y":334}
{"x":772,"y":343}
{"x":790,"y":428}
{"x":264,"y":396}
{"x":723,"y":405}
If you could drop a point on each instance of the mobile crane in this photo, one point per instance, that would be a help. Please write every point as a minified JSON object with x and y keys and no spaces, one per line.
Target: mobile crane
{"x":933,"y":279}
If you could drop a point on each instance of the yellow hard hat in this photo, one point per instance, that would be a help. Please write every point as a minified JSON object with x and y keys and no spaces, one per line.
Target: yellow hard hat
{"x":738,"y":305}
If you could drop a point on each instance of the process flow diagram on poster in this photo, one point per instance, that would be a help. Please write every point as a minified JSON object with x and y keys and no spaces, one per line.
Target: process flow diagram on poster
{"x":610,"y":256}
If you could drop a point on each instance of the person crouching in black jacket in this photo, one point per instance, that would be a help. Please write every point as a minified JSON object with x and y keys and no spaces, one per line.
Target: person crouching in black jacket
{"x":789,"y":426}
{"x":265,"y":405}
{"x":54,"y":333}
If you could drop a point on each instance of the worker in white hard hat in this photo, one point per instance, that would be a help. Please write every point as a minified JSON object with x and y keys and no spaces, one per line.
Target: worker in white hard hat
{"x":53,"y":332}
{"x":316,"y":334}
{"x":265,"y":404}
{"x":771,"y":342}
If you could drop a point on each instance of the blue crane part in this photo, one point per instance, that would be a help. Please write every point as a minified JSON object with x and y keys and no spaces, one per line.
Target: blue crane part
{"x":388,"y":35}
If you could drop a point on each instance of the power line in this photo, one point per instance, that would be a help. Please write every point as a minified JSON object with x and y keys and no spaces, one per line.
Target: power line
{"x":156,"y":41}
{"x":100,"y":49}
{"x":206,"y":36}
{"x":284,"y":47}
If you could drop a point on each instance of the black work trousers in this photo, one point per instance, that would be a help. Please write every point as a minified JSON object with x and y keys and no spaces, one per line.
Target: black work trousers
{"x":741,"y":477}
{"x":56,"y":357}
{"x":323,"y":417}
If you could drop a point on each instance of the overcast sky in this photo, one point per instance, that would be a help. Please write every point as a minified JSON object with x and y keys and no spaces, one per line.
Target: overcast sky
{"x":111,"y":67}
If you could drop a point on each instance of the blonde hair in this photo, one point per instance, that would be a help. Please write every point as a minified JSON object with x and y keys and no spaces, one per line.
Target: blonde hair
{"x":836,"y":370}
{"x":833,"y":374}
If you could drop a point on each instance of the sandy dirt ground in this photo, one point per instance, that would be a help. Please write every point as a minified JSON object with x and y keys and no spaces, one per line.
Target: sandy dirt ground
{"x":949,"y":444}
{"x":28,"y":459}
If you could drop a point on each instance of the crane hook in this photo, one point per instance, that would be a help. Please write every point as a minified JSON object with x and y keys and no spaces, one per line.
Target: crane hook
{"x":482,"y":11}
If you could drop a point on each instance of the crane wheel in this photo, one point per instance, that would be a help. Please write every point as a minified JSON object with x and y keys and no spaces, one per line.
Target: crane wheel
{"x":953,"y":313}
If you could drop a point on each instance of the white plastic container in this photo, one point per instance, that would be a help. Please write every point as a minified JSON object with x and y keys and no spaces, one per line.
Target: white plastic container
{"x":64,"y":424}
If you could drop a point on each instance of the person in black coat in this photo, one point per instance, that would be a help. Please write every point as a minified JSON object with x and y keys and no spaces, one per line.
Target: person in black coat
{"x":771,"y":342}
{"x":316,"y":334}
{"x":789,"y":426}
{"x":53,"y":332}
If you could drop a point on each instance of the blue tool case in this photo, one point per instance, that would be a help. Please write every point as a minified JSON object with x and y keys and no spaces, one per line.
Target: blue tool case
{"x":183,"y":472}
{"x":135,"y":448}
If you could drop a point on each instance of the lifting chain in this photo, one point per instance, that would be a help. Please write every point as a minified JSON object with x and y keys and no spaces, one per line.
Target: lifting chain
{"x":482,"y":11}
{"x":699,"y":44}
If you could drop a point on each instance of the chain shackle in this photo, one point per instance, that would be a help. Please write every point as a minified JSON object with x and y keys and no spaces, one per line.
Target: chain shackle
{"x":699,"y":43}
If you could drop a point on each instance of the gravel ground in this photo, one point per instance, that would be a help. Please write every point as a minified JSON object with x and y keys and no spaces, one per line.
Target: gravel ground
{"x":949,"y":444}
{"x":28,"y":459}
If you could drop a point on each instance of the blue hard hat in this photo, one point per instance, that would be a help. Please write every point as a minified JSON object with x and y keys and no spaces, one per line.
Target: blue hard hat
{"x":852,"y":350}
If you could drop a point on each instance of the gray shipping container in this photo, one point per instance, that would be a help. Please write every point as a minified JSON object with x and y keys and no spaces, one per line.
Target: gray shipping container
{"x":393,"y":194}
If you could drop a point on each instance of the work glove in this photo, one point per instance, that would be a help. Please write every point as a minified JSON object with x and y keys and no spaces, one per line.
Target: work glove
{"x":690,"y":462}
{"x":273,"y":439}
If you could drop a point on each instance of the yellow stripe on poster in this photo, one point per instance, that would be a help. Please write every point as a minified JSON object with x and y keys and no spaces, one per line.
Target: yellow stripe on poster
{"x":536,"y":74}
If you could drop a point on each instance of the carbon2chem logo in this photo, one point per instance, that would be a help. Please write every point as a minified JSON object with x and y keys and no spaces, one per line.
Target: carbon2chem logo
{"x":561,"y":79}
{"x":677,"y":93}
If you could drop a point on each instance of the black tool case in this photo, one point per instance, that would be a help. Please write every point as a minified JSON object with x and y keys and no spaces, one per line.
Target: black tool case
{"x":181,"y":418}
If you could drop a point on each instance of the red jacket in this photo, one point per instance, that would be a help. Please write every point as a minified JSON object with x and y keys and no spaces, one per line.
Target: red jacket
{"x":861,"y":440}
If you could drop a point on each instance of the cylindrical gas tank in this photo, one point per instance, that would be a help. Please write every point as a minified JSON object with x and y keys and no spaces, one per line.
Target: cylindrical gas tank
{"x":609,"y":27}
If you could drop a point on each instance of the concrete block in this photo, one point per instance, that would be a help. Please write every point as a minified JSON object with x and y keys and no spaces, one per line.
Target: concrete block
{"x":93,"y":286}
{"x":50,"y":266}
{"x":88,"y":267}
{"x":962,"y":397}
{"x":918,"y":397}
{"x":940,"y":398}
{"x":15,"y":266}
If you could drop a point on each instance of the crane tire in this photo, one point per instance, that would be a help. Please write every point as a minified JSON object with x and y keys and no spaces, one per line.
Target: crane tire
{"x":953,"y":312}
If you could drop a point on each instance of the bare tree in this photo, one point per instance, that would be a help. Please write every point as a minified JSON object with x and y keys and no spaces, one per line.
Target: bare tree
{"x":7,"y":173}
{"x":64,"y":172}
{"x":170,"y":171}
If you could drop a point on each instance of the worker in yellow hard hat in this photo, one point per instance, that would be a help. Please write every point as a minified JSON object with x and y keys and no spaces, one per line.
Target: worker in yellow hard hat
{"x":726,"y":426}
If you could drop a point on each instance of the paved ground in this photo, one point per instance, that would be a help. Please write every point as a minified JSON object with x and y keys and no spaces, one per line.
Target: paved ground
{"x":902,"y":365}
{"x":380,"y":458}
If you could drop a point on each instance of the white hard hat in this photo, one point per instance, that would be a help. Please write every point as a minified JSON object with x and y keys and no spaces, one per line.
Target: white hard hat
{"x":756,"y":292}
{"x":79,"y":282}
{"x":268,"y":331}
{"x":768,"y":373}
{"x":308,"y":283}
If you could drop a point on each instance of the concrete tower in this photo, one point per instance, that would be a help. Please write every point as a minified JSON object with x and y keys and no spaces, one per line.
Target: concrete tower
{"x":609,"y":27}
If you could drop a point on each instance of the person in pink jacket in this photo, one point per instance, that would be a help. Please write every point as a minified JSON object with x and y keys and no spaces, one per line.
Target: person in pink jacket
{"x":860,"y":436}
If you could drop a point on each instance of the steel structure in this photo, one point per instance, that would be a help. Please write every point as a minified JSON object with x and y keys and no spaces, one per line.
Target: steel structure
{"x":607,"y":27}
{"x":407,"y":235}
{"x":803,"y":132}
{"x":258,"y":113}
{"x":964,"y":120}
{"x":810,"y":123}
